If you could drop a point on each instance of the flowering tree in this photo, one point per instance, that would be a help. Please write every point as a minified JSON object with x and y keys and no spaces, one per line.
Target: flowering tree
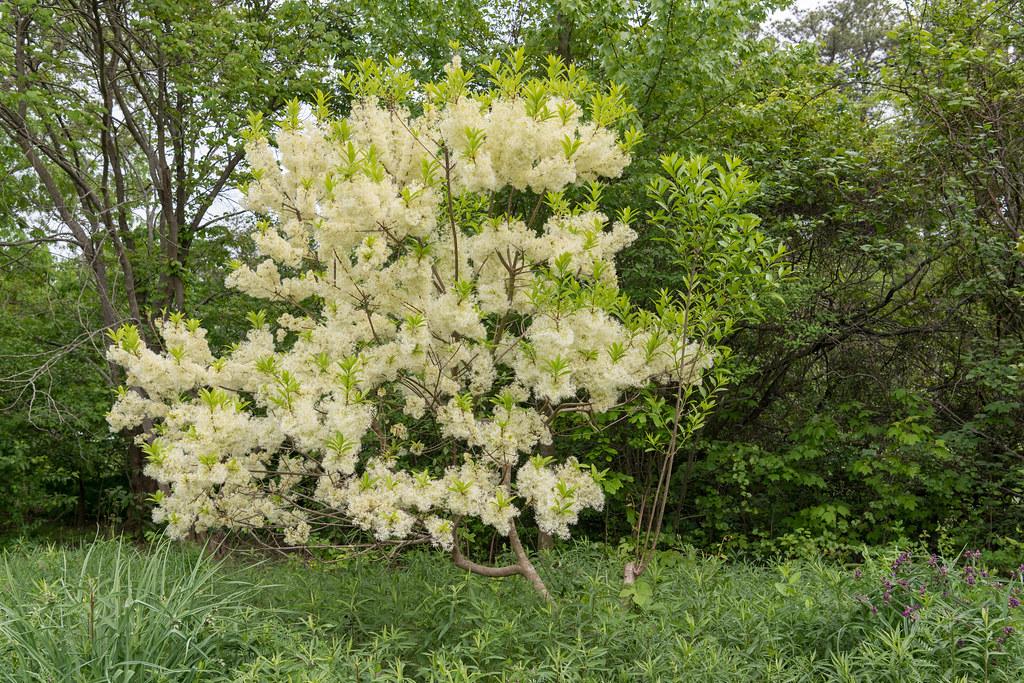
{"x":449,"y":289}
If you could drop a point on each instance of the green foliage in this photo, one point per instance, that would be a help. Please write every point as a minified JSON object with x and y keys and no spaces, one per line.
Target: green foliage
{"x":880,"y":397}
{"x":55,"y":449}
{"x":691,"y":617}
{"x":849,"y":477}
{"x":110,"y":612}
{"x":958,"y":613}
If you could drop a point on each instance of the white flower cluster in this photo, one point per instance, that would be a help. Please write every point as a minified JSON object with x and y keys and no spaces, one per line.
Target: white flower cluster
{"x":524,"y":151}
{"x":431,"y":339}
{"x":558,"y":494}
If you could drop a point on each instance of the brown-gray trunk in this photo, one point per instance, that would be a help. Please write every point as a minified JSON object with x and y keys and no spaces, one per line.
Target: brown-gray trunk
{"x":522,"y":567}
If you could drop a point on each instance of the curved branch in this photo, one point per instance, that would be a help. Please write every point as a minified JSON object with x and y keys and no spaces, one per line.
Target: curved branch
{"x":463,"y":562}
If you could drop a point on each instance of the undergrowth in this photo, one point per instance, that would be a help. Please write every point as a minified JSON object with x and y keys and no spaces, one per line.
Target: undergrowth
{"x":110,"y":612}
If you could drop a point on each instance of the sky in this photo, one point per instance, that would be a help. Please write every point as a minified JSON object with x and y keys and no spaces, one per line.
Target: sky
{"x":797,"y":6}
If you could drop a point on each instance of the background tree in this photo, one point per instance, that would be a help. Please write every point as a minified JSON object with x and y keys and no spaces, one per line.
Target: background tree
{"x":132,"y":134}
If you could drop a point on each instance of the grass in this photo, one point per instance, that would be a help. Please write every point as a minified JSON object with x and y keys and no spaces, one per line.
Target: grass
{"x":109,"y":612}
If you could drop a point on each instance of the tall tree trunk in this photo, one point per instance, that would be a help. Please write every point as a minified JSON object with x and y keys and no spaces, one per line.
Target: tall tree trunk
{"x":564,"y":49}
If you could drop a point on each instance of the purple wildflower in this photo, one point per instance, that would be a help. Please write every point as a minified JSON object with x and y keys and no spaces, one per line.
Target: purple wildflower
{"x":901,"y":560}
{"x":910,"y":611}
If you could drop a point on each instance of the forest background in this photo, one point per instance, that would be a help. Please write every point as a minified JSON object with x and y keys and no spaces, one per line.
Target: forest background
{"x":878,"y":398}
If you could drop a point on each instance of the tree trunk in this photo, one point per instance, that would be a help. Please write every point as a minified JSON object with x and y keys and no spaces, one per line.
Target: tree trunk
{"x":80,"y":505}
{"x":564,"y":49}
